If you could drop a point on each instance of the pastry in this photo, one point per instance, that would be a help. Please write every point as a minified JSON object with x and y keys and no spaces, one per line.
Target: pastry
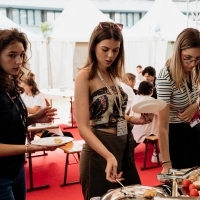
{"x":149,"y":194}
{"x":57,"y":140}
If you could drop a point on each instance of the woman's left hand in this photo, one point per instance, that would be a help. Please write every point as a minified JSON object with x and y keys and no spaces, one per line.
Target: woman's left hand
{"x":188,"y":113}
{"x":45,"y":115}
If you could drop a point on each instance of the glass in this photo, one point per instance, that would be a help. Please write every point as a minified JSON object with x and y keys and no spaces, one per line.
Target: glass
{"x":50,"y":16}
{"x":23,"y":17}
{"x":30,"y":15}
{"x":107,"y":25}
{"x":3,"y":11}
{"x":16,"y":16}
{"x":38,"y":17}
{"x":187,"y":59}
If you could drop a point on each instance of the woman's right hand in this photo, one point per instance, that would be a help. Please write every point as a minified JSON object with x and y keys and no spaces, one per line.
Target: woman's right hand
{"x":111,"y":170}
{"x":166,"y":168}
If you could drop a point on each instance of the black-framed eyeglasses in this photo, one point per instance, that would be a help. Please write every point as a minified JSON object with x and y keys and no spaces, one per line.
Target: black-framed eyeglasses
{"x":189,"y":60}
{"x":108,"y":25}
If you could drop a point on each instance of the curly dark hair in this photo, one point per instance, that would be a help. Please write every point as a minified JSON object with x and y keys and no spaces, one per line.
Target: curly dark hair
{"x":145,"y":88}
{"x":29,"y":80}
{"x":8,"y":37}
{"x":150,"y":70}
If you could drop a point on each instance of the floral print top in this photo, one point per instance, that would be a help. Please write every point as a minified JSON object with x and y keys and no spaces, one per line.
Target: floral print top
{"x":103,"y":110}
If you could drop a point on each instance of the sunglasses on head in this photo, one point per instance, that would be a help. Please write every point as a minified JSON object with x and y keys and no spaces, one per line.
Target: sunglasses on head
{"x":109,"y":25}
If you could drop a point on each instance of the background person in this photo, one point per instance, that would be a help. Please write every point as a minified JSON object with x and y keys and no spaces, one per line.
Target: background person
{"x":145,"y":91}
{"x":32,"y":97}
{"x":14,"y":116}
{"x":100,"y":108}
{"x":139,"y":71}
{"x":177,"y":84}
{"x":130,"y":80}
{"x":149,"y":74}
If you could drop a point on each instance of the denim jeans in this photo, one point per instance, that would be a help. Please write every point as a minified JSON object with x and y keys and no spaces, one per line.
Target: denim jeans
{"x":13,"y":187}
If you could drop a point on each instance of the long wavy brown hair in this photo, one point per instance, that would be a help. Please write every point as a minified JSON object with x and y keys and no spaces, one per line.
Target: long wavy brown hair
{"x":188,"y":38}
{"x":99,"y":34}
{"x":8,"y":37}
{"x":29,"y":80}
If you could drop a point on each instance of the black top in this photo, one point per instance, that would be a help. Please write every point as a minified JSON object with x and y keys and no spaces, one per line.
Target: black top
{"x":11,"y":132}
{"x":154,"y":95}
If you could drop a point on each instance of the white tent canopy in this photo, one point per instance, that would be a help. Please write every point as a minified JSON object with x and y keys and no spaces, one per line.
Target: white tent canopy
{"x":77,"y":21}
{"x":149,"y":38}
{"x":37,"y":52}
{"x":163,"y":21}
{"x":70,"y":37}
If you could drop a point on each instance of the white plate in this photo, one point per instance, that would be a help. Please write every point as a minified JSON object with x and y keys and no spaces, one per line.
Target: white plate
{"x":49,"y":141}
{"x":149,"y":106}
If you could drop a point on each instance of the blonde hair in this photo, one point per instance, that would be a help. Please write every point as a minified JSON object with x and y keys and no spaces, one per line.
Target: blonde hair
{"x":188,"y":38}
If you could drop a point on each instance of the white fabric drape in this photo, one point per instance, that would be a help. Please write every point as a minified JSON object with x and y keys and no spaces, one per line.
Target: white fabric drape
{"x":145,"y":53}
{"x":38,"y":62}
{"x":61,"y":59}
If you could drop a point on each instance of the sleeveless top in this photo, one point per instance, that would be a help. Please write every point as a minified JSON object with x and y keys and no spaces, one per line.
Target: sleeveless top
{"x":103,"y":110}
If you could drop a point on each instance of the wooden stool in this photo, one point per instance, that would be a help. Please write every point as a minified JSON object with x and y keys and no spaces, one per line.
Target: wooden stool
{"x":153,"y":139}
{"x":71,"y":148}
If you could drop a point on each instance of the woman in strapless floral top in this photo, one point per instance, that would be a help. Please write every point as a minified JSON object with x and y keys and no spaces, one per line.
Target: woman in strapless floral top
{"x":100,"y":105}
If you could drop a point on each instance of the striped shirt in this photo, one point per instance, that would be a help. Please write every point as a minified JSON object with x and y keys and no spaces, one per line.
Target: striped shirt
{"x":178,"y":99}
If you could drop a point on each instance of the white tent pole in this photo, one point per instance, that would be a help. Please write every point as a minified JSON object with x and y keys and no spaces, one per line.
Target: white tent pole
{"x":49,"y":63}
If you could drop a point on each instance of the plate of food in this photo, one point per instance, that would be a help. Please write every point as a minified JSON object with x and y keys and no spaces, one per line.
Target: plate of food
{"x":149,"y":106}
{"x":52,"y":141}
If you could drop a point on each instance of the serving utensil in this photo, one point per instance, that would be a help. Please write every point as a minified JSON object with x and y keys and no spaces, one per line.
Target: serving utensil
{"x":125,"y":191}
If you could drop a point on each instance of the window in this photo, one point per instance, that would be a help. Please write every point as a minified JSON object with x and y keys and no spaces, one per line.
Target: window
{"x":123,"y":19}
{"x":23,"y":17}
{"x":16,"y":16}
{"x":130,"y":19}
{"x":136,"y":17}
{"x":30,"y":14}
{"x":50,"y":16}
{"x":57,"y":14}
{"x":107,"y":15}
{"x":117,"y":18}
{"x":3,"y":11}
{"x":38,"y":17}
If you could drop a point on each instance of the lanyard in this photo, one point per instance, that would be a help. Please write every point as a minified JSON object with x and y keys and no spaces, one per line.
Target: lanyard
{"x":187,"y":90}
{"x":23,"y":116}
{"x":110,"y":90}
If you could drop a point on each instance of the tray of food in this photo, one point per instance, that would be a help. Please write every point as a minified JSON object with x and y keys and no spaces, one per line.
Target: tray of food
{"x":138,"y":192}
{"x":187,"y":180}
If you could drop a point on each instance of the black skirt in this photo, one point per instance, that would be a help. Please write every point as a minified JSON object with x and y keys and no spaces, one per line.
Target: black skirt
{"x":92,"y":165}
{"x":184,"y":145}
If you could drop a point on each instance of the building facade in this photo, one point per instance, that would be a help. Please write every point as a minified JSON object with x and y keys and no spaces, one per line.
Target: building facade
{"x":31,"y":13}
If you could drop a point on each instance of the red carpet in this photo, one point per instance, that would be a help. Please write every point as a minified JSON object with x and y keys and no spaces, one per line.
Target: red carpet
{"x":50,"y":170}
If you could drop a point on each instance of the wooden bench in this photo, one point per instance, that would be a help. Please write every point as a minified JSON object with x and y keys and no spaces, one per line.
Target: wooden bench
{"x":74,"y":147}
{"x":151,"y":139}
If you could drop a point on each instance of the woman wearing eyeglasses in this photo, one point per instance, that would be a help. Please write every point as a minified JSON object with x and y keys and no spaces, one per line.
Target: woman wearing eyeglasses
{"x":100,"y":111}
{"x":14,"y":118}
{"x":177,"y":84}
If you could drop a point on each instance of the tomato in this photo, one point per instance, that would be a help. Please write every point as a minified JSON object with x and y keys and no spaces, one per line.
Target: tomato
{"x":194,"y":193}
{"x":192,"y":186}
{"x":186,"y":182}
{"x":185,"y":190}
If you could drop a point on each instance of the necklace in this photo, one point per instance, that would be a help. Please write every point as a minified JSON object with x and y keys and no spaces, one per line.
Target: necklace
{"x":24,"y":114}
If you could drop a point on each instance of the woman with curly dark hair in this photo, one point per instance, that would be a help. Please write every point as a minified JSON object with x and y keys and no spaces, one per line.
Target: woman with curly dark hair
{"x":13,"y":115}
{"x":32,"y":97}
